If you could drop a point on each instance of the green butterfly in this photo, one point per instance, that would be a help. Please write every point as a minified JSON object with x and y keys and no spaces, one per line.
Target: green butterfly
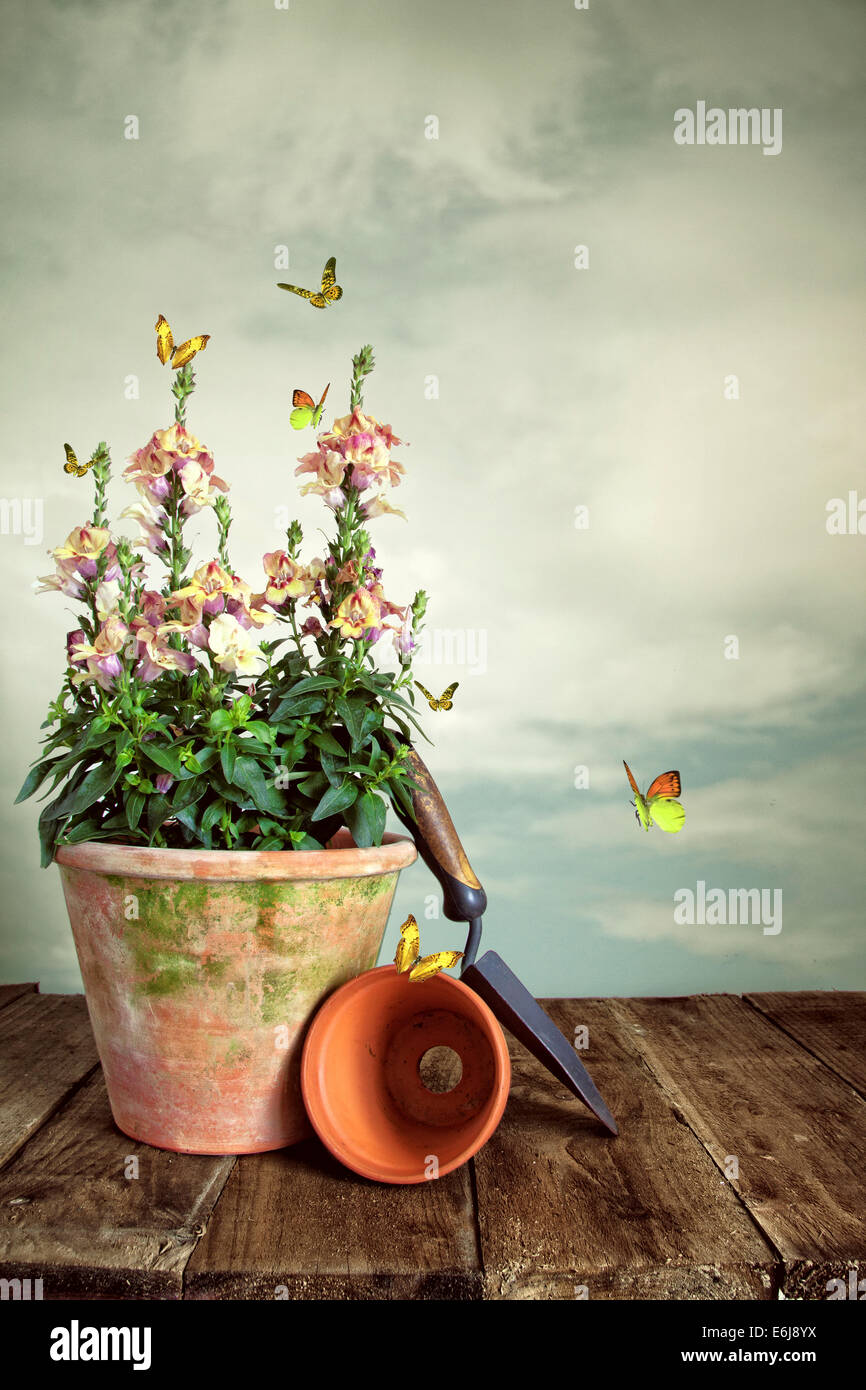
{"x":306,"y":411}
{"x":658,"y":807}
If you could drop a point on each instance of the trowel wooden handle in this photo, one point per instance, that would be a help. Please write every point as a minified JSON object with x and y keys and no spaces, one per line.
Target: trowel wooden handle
{"x":440,"y":847}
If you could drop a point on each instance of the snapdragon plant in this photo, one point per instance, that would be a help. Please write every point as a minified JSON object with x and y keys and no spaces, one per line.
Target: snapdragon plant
{"x":196,"y":710}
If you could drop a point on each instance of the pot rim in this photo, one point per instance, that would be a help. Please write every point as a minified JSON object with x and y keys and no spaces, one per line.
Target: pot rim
{"x":336,"y":1137}
{"x":342,"y":860}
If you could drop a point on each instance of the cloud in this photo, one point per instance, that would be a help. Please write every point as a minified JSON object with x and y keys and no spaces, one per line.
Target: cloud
{"x":558,"y":387}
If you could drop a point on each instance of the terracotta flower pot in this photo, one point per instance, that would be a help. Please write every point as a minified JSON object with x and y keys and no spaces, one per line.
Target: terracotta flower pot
{"x":364,"y":1084}
{"x":202,"y":969}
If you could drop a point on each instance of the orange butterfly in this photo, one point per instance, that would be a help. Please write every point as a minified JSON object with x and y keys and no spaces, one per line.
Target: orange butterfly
{"x":659,"y":806}
{"x":306,"y":411}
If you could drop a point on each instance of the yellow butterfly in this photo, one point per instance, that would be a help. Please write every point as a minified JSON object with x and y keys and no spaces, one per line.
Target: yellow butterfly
{"x":330,"y":289}
{"x":408,"y":953}
{"x":73,"y":466}
{"x":444,"y":701}
{"x":166,"y":349}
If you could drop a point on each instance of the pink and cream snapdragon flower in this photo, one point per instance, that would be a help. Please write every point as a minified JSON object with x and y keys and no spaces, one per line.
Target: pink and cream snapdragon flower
{"x":65,"y":580}
{"x":329,"y":468}
{"x":175,"y":450}
{"x":100,"y":658}
{"x":213,"y":591}
{"x":154,"y":651}
{"x":77,"y":560}
{"x":152,"y":520}
{"x":365,"y":614}
{"x":233,"y":646}
{"x":287,"y":579}
{"x":356,"y":450}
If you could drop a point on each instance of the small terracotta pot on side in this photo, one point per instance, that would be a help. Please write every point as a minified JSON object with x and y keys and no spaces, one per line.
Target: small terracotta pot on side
{"x":362,"y":1085}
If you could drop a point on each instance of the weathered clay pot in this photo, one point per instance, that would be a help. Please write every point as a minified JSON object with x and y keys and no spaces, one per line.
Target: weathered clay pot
{"x":202,"y":969}
{"x":362,"y":1078}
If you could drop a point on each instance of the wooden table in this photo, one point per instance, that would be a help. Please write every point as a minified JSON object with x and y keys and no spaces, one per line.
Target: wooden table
{"x":738,"y":1173}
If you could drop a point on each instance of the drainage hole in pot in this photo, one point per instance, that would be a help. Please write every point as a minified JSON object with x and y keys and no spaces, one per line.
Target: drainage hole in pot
{"x":440,"y":1069}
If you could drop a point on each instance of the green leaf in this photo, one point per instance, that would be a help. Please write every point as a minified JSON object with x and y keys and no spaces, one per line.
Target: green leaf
{"x":47,"y":841}
{"x":158,"y":810}
{"x":333,"y":773}
{"x":213,"y":814}
{"x":366,"y":820}
{"x":166,"y":758}
{"x":260,"y":729}
{"x":377,"y":681}
{"x":351,"y":715}
{"x":306,"y":704}
{"x":249,"y":776}
{"x":313,"y":683}
{"x":227,"y":760}
{"x":399,"y":793}
{"x":220,"y":721}
{"x":314,"y":784}
{"x":372,"y":720}
{"x":336,"y":799}
{"x":84,"y":830}
{"x":240,"y":709}
{"x":186,"y":794}
{"x":300,"y":840}
{"x":187,"y":817}
{"x":94,"y":785}
{"x":34,"y":779}
{"x":252,"y":747}
{"x":328,"y":744}
{"x":134,"y":807}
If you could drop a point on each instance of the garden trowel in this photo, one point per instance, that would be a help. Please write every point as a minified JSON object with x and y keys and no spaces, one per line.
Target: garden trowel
{"x":465,"y":901}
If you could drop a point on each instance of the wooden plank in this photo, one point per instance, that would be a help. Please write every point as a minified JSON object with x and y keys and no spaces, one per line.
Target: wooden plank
{"x":797,"y":1132}
{"x":46,"y":1051}
{"x":70,"y":1215}
{"x":297,"y":1224}
{"x":830,"y":1023}
{"x":563,"y":1207}
{"x":8,"y":993}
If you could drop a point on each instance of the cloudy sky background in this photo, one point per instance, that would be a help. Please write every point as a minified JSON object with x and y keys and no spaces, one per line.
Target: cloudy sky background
{"x":558,"y":388}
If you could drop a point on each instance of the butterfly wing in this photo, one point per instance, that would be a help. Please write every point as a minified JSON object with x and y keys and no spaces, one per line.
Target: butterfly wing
{"x":409,"y":946}
{"x":71,"y":465}
{"x":296,"y":289}
{"x":429,"y":966}
{"x":187,"y":351}
{"x":318,"y":411}
{"x":164,"y":339}
{"x":330,"y":289}
{"x":304,"y":409}
{"x":666,"y":784}
{"x":632,"y":783}
{"x":444,"y":701}
{"x":434,"y":703}
{"x":667,"y":814}
{"x":641,"y":812}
